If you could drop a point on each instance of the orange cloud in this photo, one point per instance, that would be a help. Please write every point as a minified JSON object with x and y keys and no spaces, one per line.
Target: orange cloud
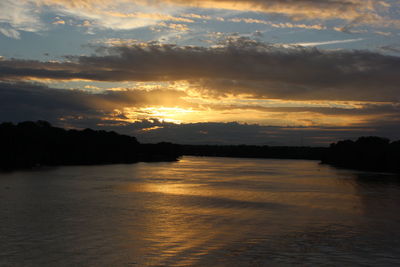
{"x":361,"y":10}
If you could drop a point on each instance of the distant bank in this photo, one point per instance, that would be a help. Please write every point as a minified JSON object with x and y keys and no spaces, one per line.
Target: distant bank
{"x":30,"y":144}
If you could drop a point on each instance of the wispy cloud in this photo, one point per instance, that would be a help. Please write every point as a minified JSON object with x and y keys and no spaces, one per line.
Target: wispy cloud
{"x":18,"y":16}
{"x":328,"y":42}
{"x":342,"y":9}
{"x":12,"y":33}
{"x":279,"y":25}
{"x":26,"y":15}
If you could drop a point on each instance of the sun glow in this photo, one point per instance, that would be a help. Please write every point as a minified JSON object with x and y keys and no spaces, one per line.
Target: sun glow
{"x":167,"y":114}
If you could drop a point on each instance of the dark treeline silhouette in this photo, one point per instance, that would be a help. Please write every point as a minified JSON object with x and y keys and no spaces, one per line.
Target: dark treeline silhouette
{"x":246,"y":151}
{"x":366,"y":153}
{"x":30,"y":144}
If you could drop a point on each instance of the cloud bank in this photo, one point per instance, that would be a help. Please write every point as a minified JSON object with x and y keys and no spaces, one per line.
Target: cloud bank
{"x":239,"y":66}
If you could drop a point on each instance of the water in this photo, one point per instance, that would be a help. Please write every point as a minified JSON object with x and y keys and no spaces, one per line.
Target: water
{"x":199,"y":212}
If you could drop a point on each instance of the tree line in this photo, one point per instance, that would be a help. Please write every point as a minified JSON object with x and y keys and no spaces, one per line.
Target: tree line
{"x":366,"y":153}
{"x":30,"y":144}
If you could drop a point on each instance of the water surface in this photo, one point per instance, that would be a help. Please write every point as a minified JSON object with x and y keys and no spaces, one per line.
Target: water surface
{"x":199,"y":211}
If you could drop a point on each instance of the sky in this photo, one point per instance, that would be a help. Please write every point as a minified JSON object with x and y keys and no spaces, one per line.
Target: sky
{"x":260,"y":72}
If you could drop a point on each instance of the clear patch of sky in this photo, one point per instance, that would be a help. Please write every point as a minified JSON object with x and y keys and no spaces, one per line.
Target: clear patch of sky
{"x":52,"y":44}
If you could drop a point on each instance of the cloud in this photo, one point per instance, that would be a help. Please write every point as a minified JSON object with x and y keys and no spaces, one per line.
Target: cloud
{"x":328,"y":42}
{"x":10,"y":33}
{"x":237,"y":66}
{"x":26,"y":15}
{"x":349,"y":109}
{"x":279,"y":25}
{"x":58,"y":22}
{"x":18,"y":16}
{"x":130,"y":112}
{"x":115,"y":15}
{"x":391,"y":48}
{"x":315,"y":9}
{"x":124,"y":111}
{"x":162,"y":26}
{"x":298,"y":9}
{"x":345,"y":9}
{"x":27,"y":101}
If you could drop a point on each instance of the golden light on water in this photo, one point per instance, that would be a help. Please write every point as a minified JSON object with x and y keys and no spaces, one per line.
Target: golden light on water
{"x":199,"y":214}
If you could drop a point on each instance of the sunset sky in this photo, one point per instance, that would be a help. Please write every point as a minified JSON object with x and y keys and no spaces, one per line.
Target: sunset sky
{"x":276,"y":72}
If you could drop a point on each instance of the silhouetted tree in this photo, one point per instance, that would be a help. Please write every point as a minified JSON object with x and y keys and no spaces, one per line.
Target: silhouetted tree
{"x":367,"y":153}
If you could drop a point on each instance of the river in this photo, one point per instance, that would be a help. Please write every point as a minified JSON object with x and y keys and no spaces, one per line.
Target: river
{"x":200,"y":211}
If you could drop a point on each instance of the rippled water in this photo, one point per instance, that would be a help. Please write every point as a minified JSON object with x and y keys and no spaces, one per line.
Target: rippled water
{"x":199,"y":211}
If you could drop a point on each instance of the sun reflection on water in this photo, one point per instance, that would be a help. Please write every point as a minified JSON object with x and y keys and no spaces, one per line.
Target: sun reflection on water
{"x":197,"y":210}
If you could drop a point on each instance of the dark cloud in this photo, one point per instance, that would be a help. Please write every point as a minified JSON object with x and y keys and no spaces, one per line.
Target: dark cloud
{"x":28,"y":101}
{"x":237,"y":66}
{"x":364,"y":109}
{"x":25,"y":101}
{"x":391,"y":48}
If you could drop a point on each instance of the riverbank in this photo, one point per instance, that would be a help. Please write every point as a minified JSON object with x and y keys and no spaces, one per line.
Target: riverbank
{"x":32,"y":144}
